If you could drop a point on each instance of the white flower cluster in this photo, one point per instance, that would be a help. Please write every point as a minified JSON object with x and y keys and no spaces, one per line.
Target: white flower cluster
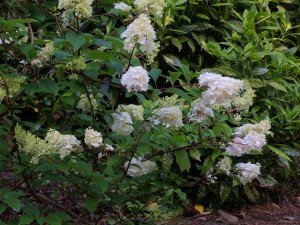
{"x":243,"y":102}
{"x":135,"y":111}
{"x":135,"y":79}
{"x":92,"y":137}
{"x":10,"y":86}
{"x":122,"y":123}
{"x":84,"y":103}
{"x":225,"y":165}
{"x":199,"y":111}
{"x":44,"y":55}
{"x":141,"y":32}
{"x":171,"y":117}
{"x":221,"y":90}
{"x":63,"y":144}
{"x":249,"y":137}
{"x":81,"y":8}
{"x":138,"y":167}
{"x":247,"y":171}
{"x":122,"y":6}
{"x":154,"y":7}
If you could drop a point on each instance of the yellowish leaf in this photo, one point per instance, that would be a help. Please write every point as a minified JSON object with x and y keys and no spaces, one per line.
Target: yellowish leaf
{"x":199,"y":208}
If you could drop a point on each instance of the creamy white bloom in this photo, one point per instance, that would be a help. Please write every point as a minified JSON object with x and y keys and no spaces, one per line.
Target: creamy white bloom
{"x":81,"y":8}
{"x":122,"y":123}
{"x":243,"y":102}
{"x":44,"y":55}
{"x":199,"y":111}
{"x":135,"y":79}
{"x":138,"y":167}
{"x":247,"y":171}
{"x":135,"y":111}
{"x":154,"y":7}
{"x":122,"y":6}
{"x":93,"y":137}
{"x":221,"y":90}
{"x":141,"y":32}
{"x":225,"y":165}
{"x":62,"y":144}
{"x":171,"y":117}
{"x":262,"y":127}
{"x":85,"y":104}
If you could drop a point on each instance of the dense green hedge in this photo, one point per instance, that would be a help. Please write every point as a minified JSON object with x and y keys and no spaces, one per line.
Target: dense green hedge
{"x":125,"y":112}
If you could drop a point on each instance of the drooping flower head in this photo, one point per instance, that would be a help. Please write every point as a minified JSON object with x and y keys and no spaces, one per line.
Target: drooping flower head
{"x":141,"y":34}
{"x":135,"y":79}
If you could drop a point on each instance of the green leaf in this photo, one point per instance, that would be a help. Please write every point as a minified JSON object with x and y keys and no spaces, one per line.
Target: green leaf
{"x":268,"y":182}
{"x":91,"y":204}
{"x":48,"y":86}
{"x":183,"y":161}
{"x":76,"y":39}
{"x":3,"y":207}
{"x":154,"y":74}
{"x":172,"y":60}
{"x":195,"y":154}
{"x":53,"y":219}
{"x":259,"y":71}
{"x":13,"y":203}
{"x":177,"y":43}
{"x":98,"y":55}
{"x":278,"y":152}
{"x":251,"y":192}
{"x":277,"y":86}
{"x":224,"y":192}
{"x":26,"y":219}
{"x":180,"y":93}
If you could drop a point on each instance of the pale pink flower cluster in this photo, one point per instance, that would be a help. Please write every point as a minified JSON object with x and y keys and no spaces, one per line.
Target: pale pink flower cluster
{"x":247,"y":171}
{"x":249,"y":137}
{"x":135,"y":79}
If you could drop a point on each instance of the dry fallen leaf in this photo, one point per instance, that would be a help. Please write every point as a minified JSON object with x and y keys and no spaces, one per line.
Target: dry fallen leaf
{"x":199,"y":208}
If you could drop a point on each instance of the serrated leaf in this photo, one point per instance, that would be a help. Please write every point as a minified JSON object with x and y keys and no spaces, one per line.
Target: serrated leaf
{"x":183,"y":161}
{"x":76,"y":39}
{"x":48,"y":86}
{"x":91,"y":204}
{"x":277,"y":86}
{"x":278,"y":152}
